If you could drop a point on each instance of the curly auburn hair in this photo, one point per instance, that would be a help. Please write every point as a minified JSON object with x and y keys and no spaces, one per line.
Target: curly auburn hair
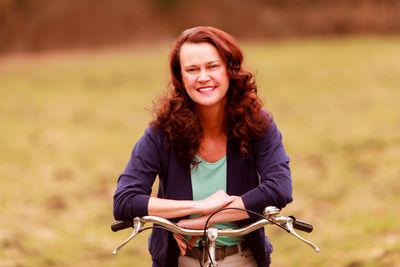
{"x":175,"y":112}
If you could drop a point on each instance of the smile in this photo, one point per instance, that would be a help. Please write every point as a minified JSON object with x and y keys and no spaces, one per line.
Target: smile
{"x":206,"y":89}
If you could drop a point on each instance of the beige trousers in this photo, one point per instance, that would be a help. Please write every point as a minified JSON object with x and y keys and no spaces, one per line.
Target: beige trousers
{"x":240,"y":259}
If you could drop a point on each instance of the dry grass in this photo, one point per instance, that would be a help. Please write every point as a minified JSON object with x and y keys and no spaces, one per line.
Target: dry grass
{"x":69,"y":121}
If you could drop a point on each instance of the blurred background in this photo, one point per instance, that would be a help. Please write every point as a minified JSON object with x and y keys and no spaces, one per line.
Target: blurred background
{"x":77,"y":79}
{"x":29,"y":25}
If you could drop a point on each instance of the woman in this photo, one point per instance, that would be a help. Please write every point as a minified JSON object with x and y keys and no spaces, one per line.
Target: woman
{"x":212,"y":146}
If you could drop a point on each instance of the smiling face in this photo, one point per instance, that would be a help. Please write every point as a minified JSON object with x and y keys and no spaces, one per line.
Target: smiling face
{"x":204,"y":74}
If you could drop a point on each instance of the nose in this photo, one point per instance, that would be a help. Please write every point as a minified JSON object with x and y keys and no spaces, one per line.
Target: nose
{"x":203,"y":76}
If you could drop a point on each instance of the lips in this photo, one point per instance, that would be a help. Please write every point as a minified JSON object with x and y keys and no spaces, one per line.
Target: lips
{"x":206,"y":89}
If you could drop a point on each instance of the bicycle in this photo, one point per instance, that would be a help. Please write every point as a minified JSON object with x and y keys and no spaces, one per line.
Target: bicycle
{"x":210,"y":234}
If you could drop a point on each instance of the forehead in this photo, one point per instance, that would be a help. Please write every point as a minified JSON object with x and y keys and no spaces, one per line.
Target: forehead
{"x":198,"y":53}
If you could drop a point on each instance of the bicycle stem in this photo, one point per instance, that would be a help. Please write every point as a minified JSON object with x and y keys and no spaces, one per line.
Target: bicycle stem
{"x":212,"y":235}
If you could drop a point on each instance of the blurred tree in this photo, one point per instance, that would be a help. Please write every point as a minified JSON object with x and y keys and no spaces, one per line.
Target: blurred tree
{"x":166,"y":4}
{"x":31,"y":25}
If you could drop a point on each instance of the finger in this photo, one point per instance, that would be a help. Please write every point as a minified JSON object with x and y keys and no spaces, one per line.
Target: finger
{"x":181,"y":244}
{"x":180,"y":241}
{"x":181,"y":248}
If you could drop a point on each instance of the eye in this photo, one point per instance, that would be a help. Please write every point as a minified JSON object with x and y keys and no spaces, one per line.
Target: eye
{"x":213,"y":66}
{"x":191,"y":70}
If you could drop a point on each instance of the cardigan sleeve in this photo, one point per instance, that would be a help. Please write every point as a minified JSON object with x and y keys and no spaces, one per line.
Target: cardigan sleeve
{"x":135,"y":183}
{"x":272,"y":163}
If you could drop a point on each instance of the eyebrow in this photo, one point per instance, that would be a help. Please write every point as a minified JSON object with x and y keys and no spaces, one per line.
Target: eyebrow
{"x":208,"y":63}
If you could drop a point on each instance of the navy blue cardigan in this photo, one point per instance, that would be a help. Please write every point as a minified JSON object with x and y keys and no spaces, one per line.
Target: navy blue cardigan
{"x":262,"y":179}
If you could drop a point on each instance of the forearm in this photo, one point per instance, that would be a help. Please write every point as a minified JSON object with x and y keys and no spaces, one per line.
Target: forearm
{"x":228,"y":215}
{"x":167,"y":208}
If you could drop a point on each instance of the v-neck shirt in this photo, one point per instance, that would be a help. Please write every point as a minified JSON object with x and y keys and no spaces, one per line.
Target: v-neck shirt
{"x":207,"y":178}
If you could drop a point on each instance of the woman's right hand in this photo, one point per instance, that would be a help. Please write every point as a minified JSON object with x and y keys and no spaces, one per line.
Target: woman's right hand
{"x":214,"y":202}
{"x":182,"y":244}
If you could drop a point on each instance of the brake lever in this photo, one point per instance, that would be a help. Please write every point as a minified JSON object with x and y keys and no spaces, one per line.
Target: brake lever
{"x":289,"y":227}
{"x":137,"y":224}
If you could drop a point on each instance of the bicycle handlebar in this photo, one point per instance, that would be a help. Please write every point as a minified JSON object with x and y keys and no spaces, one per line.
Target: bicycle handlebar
{"x":120,"y":225}
{"x":270,"y":217}
{"x":302,"y":225}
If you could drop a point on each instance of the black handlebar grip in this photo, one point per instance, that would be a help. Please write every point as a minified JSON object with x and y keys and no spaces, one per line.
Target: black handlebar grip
{"x":302,"y":226}
{"x":119,"y":225}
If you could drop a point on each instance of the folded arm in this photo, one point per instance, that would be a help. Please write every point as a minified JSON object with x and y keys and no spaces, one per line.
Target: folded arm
{"x":228,"y":215}
{"x":167,"y":208}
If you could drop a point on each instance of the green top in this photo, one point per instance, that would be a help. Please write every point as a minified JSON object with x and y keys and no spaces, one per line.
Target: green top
{"x":207,"y":178}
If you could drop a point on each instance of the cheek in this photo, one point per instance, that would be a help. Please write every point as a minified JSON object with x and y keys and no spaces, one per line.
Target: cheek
{"x":225,"y":76}
{"x":189,"y":82}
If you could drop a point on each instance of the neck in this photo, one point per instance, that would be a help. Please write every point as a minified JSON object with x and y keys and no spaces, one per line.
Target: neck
{"x":212,"y":119}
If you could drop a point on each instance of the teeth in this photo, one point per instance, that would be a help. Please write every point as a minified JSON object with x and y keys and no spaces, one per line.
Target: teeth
{"x":206,"y":89}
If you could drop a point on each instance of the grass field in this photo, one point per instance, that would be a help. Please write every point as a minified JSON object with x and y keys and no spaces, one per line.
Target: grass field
{"x":70,"y":120}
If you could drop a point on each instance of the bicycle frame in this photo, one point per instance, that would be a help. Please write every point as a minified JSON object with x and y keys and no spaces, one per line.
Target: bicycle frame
{"x":270,"y":214}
